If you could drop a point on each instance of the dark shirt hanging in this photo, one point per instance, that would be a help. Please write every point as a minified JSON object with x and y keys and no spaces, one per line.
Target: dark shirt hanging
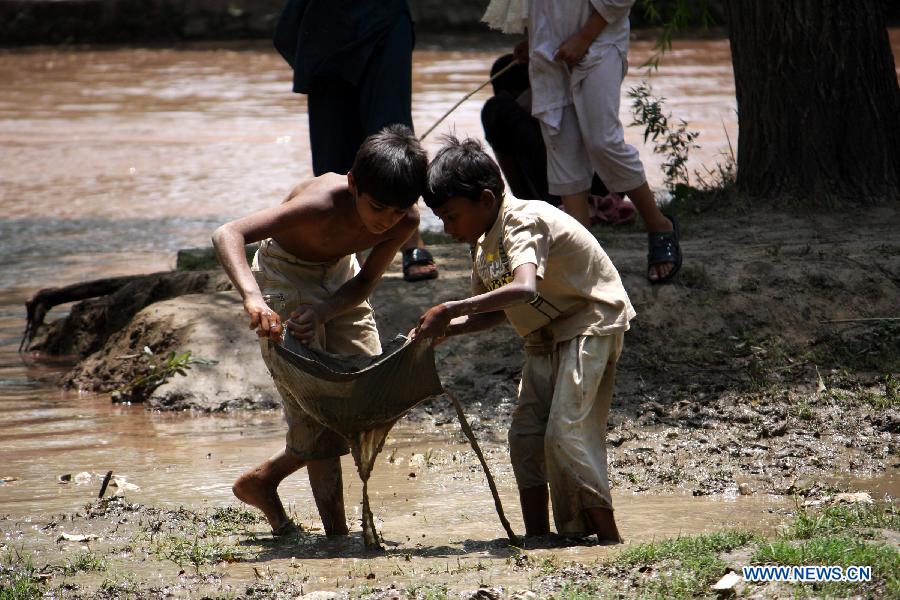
{"x":333,"y":38}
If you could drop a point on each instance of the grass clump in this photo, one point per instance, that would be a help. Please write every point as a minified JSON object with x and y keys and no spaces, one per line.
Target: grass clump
{"x":683,"y":567}
{"x":195,"y":552}
{"x":229,"y":520}
{"x":839,"y":518}
{"x":839,"y":535}
{"x":18,"y":577}
{"x":430,"y":591}
{"x":841,"y":550}
{"x":122,"y":585}
{"x":685,"y":549}
{"x":85,"y":561}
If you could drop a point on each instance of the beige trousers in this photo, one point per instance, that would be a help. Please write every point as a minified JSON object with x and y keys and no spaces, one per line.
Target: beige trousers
{"x":558,"y":431}
{"x":287,"y":282}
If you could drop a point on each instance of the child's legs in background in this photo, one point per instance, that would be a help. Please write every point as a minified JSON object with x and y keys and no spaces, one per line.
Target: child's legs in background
{"x":575,"y":442}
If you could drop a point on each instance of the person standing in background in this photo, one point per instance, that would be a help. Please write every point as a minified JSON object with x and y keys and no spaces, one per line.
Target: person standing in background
{"x":353,"y":60}
{"x":576,"y":51}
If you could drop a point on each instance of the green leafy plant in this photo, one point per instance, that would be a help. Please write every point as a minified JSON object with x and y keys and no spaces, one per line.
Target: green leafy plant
{"x":158,"y":370}
{"x":679,"y":15}
{"x":675,"y":143}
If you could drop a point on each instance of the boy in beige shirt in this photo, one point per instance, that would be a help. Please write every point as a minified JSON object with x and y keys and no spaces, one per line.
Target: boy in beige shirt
{"x":541,"y":270}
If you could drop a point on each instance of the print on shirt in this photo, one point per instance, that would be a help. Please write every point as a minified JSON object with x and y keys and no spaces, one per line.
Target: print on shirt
{"x":494,"y":271}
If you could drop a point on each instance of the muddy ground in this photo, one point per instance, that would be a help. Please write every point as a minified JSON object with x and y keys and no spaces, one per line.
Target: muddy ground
{"x":769,"y":371}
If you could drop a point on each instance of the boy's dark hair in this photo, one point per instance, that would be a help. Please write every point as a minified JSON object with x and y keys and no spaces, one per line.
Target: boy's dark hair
{"x":515,"y":81}
{"x":461,"y":168}
{"x":391,"y":166}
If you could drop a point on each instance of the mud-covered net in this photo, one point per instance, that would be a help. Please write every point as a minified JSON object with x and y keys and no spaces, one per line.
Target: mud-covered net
{"x":359,"y":397}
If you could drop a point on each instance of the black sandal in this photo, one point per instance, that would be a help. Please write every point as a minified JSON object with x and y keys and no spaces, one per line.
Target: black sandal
{"x":417,"y":256}
{"x":662,"y":248}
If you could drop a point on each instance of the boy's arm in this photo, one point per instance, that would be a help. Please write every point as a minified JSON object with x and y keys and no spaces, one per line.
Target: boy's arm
{"x":573,"y":49}
{"x":230,"y":240}
{"x":444,"y":319}
{"x":304,"y":321}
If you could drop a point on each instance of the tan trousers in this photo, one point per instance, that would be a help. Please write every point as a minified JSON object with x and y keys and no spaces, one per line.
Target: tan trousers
{"x":287,"y":282}
{"x":558,"y":431}
{"x":590,"y":136}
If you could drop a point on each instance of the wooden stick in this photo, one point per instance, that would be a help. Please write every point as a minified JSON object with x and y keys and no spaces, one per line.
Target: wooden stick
{"x":862,"y":320}
{"x":469,"y":434}
{"x":105,"y":484}
{"x":467,"y":96}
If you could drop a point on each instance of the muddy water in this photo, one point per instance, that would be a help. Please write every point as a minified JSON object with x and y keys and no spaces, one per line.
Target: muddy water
{"x":113,"y":159}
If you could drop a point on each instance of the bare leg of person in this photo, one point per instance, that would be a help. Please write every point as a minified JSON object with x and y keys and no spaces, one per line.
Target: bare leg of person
{"x":577,"y":206}
{"x":603,"y":523}
{"x":327,"y":485}
{"x":535,"y":509}
{"x":259,"y":487}
{"x":654,"y":220}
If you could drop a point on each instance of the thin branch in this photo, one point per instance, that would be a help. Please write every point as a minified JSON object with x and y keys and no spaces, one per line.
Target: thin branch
{"x":487,"y":472}
{"x":467,"y":96}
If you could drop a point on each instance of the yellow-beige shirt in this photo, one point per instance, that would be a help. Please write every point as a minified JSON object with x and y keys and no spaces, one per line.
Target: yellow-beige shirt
{"x":579,"y":291}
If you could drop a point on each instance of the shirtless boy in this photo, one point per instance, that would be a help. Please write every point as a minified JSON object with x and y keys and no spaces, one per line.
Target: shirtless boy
{"x":307,"y":269}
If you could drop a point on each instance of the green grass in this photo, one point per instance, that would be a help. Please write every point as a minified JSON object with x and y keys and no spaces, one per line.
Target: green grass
{"x":17,"y":577}
{"x":85,"y":562}
{"x":839,"y":518}
{"x":843,"y":535}
{"x":842,"y":550}
{"x":229,"y":520}
{"x":431,"y":591}
{"x":122,"y":585}
{"x":685,"y":549}
{"x":686,"y":567}
{"x":195,"y":551}
{"x":19,"y":586}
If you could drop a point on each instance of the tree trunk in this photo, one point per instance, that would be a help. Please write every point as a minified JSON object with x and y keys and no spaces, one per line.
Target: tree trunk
{"x":818,"y":100}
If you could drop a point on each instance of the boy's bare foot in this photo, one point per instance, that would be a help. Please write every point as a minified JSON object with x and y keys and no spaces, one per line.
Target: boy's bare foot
{"x":252,"y":489}
{"x":288,"y":529}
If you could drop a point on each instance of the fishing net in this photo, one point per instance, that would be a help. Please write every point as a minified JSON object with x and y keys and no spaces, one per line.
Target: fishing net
{"x":359,"y":397}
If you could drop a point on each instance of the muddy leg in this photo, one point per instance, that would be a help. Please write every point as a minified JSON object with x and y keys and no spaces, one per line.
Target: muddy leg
{"x":535,"y":511}
{"x":328,"y":490}
{"x":259,"y":487}
{"x":603,"y":523}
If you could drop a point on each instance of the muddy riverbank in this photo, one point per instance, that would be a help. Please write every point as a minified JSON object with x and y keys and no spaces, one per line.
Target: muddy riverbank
{"x":751,"y":391}
{"x":763,"y":369}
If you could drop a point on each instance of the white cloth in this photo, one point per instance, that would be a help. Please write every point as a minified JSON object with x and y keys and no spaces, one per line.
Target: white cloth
{"x":509,"y":16}
{"x":589,"y":137}
{"x":552,"y":22}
